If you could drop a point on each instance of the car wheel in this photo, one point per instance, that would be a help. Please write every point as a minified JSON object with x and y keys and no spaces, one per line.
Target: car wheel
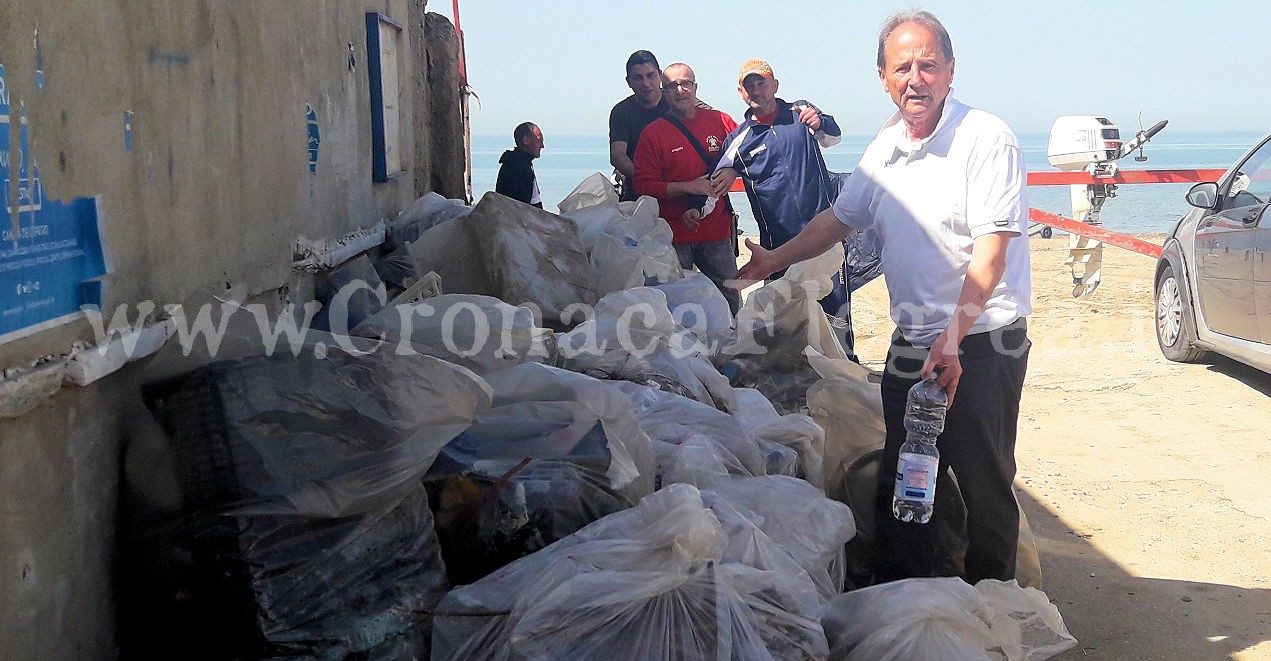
{"x":1174,"y":320}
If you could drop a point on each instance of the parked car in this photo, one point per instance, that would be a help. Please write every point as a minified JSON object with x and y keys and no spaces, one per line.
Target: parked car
{"x":1213,"y":281}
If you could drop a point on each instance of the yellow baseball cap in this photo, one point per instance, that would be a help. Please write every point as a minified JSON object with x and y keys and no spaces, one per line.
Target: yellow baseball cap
{"x":754,"y":66}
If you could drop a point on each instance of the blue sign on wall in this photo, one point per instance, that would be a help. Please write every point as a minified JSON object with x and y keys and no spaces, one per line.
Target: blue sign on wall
{"x":51,"y":260}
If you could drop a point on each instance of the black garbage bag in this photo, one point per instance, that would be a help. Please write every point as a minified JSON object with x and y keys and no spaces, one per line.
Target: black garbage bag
{"x":303,"y":528}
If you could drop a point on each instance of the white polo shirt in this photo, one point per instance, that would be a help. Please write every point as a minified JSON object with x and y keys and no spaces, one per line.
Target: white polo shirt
{"x":929,"y":200}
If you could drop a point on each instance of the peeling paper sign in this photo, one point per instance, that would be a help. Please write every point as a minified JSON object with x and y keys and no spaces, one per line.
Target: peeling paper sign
{"x":311,"y":119}
{"x":50,"y":251}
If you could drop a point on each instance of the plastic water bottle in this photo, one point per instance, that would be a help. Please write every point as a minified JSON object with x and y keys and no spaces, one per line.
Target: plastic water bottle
{"x":919,"y":461}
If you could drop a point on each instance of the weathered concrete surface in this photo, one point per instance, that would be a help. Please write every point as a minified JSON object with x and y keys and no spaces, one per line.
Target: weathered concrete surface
{"x":59,"y":476}
{"x":446,"y":134}
{"x":212,"y":195}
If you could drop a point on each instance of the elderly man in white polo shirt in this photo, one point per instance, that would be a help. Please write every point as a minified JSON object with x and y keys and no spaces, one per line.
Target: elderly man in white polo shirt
{"x":943,"y":185}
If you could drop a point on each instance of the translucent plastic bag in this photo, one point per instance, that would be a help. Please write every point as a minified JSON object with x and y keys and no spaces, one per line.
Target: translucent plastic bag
{"x":648,"y":583}
{"x":944,"y":618}
{"x":795,"y":432}
{"x":427,"y":212}
{"x":556,"y":452}
{"x":850,"y":410}
{"x":590,"y":205}
{"x":629,"y":245}
{"x":798,"y":518}
{"x":1025,"y":623}
{"x":349,"y":294}
{"x":481,"y":333}
{"x":633,"y":337}
{"x":777,"y":323}
{"x":514,"y":252}
{"x":698,"y":307}
{"x":300,"y":536}
{"x":716,"y":438}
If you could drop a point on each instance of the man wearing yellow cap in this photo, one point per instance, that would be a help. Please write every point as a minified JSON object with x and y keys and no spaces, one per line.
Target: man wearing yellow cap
{"x":777,"y":153}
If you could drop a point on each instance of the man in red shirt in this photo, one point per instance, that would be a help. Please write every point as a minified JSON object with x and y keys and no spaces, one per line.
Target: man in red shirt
{"x":675,"y":169}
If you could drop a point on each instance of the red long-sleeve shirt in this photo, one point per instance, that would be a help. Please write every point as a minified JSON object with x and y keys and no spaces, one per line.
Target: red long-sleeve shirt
{"x":665,"y":156}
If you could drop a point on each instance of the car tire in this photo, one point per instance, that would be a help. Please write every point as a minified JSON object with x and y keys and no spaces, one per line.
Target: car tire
{"x":1174,"y":321}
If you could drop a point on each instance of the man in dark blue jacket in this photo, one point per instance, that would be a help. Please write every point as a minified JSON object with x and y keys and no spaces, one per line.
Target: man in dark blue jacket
{"x":777,"y":153}
{"x":516,"y":170}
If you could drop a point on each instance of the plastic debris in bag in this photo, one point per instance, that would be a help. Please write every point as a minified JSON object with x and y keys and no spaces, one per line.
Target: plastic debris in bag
{"x":304,"y":519}
{"x":556,"y":452}
{"x":777,"y":322}
{"x":849,"y":407}
{"x":698,"y":307}
{"x":481,"y":333}
{"x":797,"y":517}
{"x":648,"y":583}
{"x":693,"y":441}
{"x":514,"y":252}
{"x":945,"y":618}
{"x":796,"y":438}
{"x":427,"y":212}
{"x":349,"y":294}
{"x":633,"y":337}
{"x":630,"y":246}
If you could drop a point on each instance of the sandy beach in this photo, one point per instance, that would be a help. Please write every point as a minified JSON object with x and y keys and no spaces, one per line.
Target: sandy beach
{"x":1145,"y":481}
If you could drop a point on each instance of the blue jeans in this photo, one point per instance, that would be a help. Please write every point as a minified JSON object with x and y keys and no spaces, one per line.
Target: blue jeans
{"x":715,"y":259}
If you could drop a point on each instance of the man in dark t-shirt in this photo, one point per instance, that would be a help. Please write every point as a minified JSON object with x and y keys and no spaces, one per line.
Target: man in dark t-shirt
{"x":629,"y":117}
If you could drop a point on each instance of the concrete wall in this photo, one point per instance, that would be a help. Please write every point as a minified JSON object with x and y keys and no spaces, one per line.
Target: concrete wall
{"x":212,"y":195}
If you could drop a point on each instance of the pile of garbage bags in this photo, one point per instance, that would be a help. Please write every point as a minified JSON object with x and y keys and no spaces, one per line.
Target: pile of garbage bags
{"x":517,"y":434}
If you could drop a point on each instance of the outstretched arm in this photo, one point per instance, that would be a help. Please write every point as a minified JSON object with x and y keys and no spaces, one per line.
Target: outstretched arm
{"x":820,"y":234}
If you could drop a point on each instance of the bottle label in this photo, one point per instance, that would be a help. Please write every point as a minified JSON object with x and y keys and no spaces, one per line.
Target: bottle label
{"x":916,"y":478}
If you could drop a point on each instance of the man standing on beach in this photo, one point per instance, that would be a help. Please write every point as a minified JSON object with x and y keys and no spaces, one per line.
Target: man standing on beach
{"x":516,"y":166}
{"x":673,"y":163}
{"x":631,"y":115}
{"x":777,"y":152}
{"x":943,"y":184}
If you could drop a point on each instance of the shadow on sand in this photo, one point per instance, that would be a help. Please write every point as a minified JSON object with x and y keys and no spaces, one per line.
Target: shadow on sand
{"x":1116,"y":615}
{"x":1254,"y":378}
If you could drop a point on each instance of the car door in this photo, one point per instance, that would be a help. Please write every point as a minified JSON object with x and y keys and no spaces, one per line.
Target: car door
{"x":1226,"y":251}
{"x":1262,"y":275}
{"x":1224,"y":269}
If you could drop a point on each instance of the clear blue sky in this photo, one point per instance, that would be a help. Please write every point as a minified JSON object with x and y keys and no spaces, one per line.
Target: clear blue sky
{"x":1202,"y":65}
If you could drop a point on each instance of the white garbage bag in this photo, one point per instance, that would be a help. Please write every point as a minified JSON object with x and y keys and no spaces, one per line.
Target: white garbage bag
{"x":698,"y":307}
{"x":633,"y":337}
{"x":797,"y":517}
{"x":714,"y":437}
{"x":945,"y":618}
{"x":778,"y":322}
{"x":512,"y":251}
{"x":796,"y":433}
{"x":481,"y":333}
{"x":648,"y":583}
{"x":427,"y":212}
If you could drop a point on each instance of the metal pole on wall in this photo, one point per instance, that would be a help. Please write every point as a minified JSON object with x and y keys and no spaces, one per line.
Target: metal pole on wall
{"x":464,"y":92}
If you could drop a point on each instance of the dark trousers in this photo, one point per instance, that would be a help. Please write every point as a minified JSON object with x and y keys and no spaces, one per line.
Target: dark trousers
{"x":715,"y":259}
{"x":978,"y":443}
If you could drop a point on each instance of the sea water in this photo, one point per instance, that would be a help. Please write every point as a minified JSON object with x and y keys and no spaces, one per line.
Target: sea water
{"x":1137,"y":208}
